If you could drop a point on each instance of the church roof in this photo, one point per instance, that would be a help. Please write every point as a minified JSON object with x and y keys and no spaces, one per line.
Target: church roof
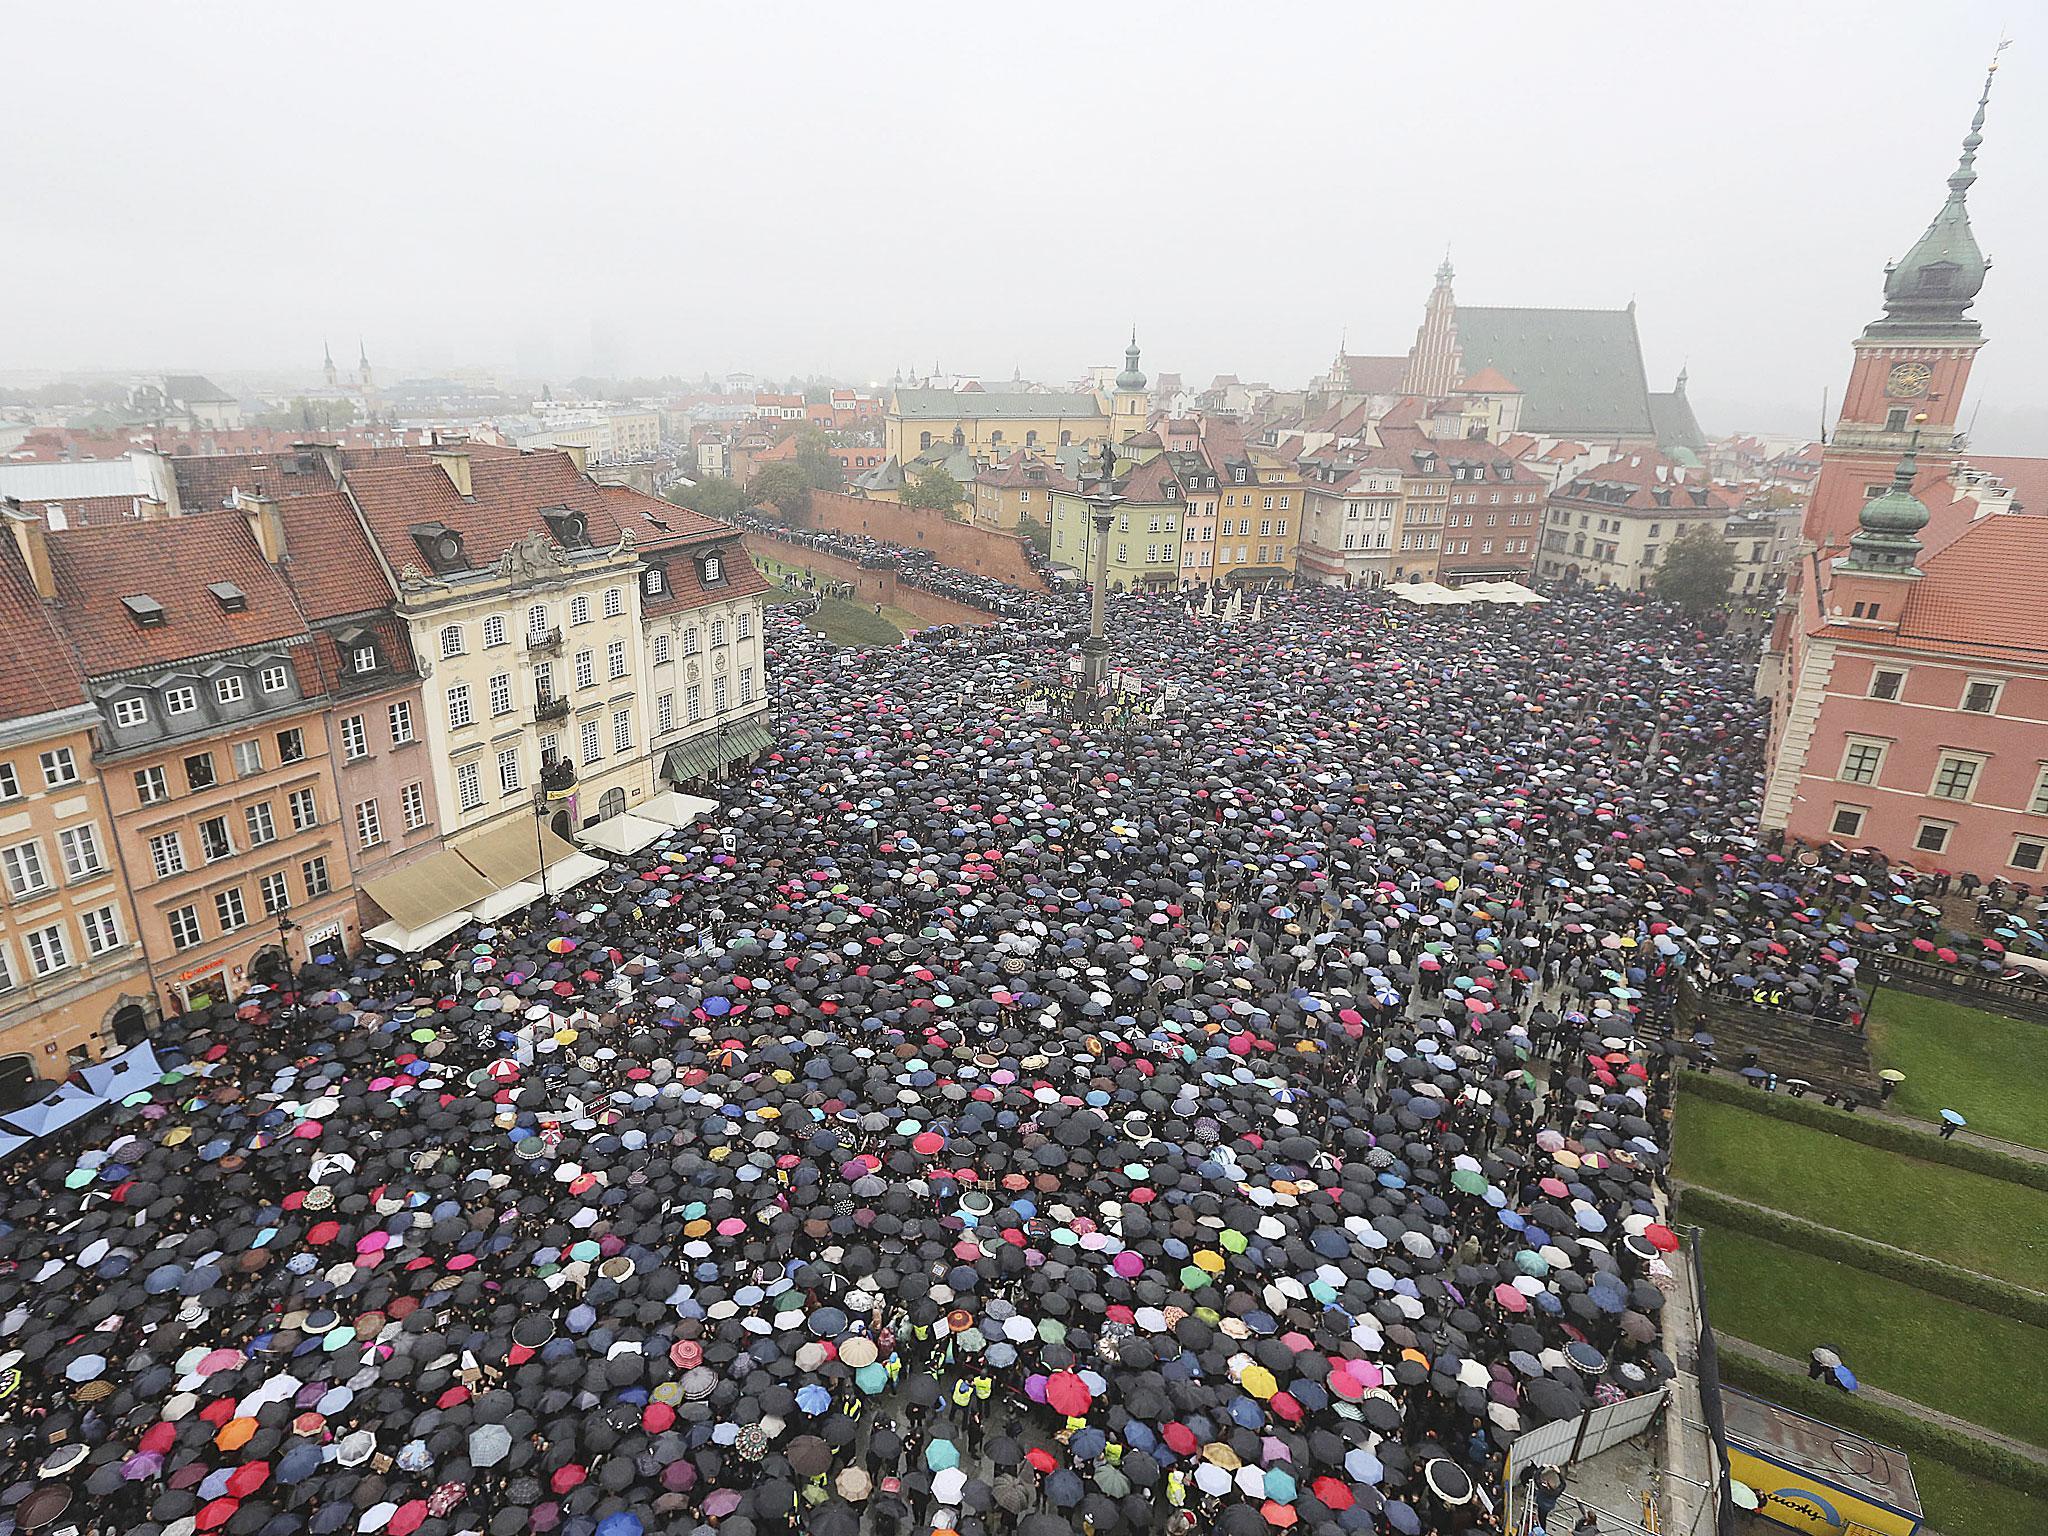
{"x":1488,"y":381}
{"x":994,"y":405}
{"x":1676,"y":426}
{"x":1371,"y":375}
{"x":1580,"y":370}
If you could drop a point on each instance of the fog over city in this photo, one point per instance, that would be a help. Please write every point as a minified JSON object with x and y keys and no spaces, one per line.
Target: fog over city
{"x":848,"y":192}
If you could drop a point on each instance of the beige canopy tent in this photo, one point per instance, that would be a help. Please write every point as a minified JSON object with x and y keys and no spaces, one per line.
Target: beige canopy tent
{"x":674,"y":808}
{"x":421,"y":899}
{"x":513,"y":851}
{"x":496,"y":872}
{"x":622,"y":834}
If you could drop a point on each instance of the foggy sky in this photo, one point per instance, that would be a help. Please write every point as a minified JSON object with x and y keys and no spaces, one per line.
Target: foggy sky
{"x":851,"y":189}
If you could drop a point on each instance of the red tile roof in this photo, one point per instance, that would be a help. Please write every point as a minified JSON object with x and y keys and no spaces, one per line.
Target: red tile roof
{"x":37,"y":673}
{"x":401,"y":488}
{"x":1489,"y":381}
{"x":1643,"y":474}
{"x":1982,"y":594}
{"x":173,"y":561}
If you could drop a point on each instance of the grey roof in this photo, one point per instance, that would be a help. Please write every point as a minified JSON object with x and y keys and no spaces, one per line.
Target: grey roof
{"x":187,"y":388}
{"x":982,"y":405}
{"x":1580,"y":371}
{"x":1677,"y":427}
{"x":885,"y":476}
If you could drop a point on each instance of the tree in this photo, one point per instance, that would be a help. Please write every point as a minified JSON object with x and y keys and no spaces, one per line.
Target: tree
{"x":713,"y":496}
{"x":1038,"y":535}
{"x":783,"y":486}
{"x":934,"y":489}
{"x":1697,"y":569}
{"x":814,"y":458}
{"x":304,"y":415}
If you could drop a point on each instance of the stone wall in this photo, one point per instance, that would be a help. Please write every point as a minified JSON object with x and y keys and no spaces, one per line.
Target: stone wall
{"x":870,"y":585}
{"x":984,"y":551}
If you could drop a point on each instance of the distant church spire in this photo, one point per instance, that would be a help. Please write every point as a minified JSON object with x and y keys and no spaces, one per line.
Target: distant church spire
{"x":327,"y":368}
{"x":1434,"y":365}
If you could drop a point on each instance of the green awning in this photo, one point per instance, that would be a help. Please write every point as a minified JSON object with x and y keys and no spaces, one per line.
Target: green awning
{"x":707,"y":756}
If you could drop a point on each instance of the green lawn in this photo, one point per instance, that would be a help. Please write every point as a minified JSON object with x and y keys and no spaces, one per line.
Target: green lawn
{"x":843,"y":623}
{"x":1967,"y":1219}
{"x":1905,"y":1340}
{"x":1991,"y":1070}
{"x":1960,"y":1503}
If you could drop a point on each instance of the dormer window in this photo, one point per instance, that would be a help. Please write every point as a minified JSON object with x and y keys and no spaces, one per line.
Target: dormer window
{"x":570,"y":528}
{"x":362,"y":659}
{"x":442,"y":547}
{"x":714,"y":568}
{"x":1237,"y":475}
{"x":145,"y":610}
{"x":653,"y":581}
{"x":232,"y":599}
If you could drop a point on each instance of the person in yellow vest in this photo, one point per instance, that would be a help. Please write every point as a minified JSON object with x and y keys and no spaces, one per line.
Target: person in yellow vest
{"x":962,"y":1393}
{"x":1176,"y":1487}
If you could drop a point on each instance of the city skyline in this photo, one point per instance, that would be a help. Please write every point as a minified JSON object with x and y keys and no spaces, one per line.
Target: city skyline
{"x":1262,"y":286}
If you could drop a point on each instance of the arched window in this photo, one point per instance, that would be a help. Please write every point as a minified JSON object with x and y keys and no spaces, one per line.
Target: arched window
{"x":996,"y":436}
{"x":612,"y":803}
{"x":1030,"y":439}
{"x":1066,"y":438}
{"x":451,"y":640}
{"x":924,"y":440}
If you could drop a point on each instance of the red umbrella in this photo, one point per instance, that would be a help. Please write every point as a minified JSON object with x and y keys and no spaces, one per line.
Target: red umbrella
{"x":1661,"y":1237}
{"x":566,"y":1478}
{"x":217,"y":1513}
{"x":1068,"y":1394}
{"x":248,"y":1477}
{"x":1335,"y":1494}
{"x":1042,"y":1459}
{"x":409,"y":1517}
{"x":1179,"y":1439}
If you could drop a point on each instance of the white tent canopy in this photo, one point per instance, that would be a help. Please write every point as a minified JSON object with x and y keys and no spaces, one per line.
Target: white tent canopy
{"x":574,"y":870}
{"x":622,"y":834}
{"x":674,"y":808}
{"x":510,"y":899}
{"x":411,"y":940}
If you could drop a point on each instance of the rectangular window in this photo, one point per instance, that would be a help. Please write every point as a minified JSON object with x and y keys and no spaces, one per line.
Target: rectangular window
{"x":660,"y":649}
{"x":248,"y":758}
{"x":690,"y":640}
{"x":1265,"y":527}
{"x":745,"y":622}
{"x":6,"y":971}
{"x":355,"y":738}
{"x":10,"y":782}
{"x":1861,"y":760}
{"x":276,"y":894}
{"x":363,"y":660}
{"x":305,"y":813}
{"x":199,"y":770}
{"x":80,"y":847}
{"x":102,"y":929}
{"x":129,"y":712}
{"x":1887,"y":683}
{"x":46,"y":952}
{"x":185,"y":927}
{"x":586,"y":669}
{"x":400,"y":715}
{"x":508,"y":771}
{"x":501,"y":693}
{"x":693,"y":705}
{"x":228,"y":690}
{"x":2028,"y":853}
{"x":314,"y":873}
{"x":550,"y":749}
{"x":718,"y":695}
{"x":458,"y":706}
{"x":275,"y":679}
{"x":2038,"y":805}
{"x":1954,"y":778}
{"x":746,"y":685}
{"x":413,"y":801}
{"x":1848,"y":821}
{"x":214,"y":842}
{"x":26,"y":874}
{"x":1933,"y":836}
{"x":167,"y":854}
{"x":664,"y":713}
{"x":592,"y":747}
{"x":469,"y":788}
{"x":622,"y":730}
{"x":180,"y":700}
{"x":494,"y":630}
{"x":261,"y":826}
{"x":369,"y":827}
{"x":537,"y":619}
{"x":615,"y":658}
{"x":227,"y":906}
{"x":291,"y":746}
{"x":1981,"y":696}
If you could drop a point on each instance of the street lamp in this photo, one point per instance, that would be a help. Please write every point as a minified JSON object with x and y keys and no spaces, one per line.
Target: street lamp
{"x":1102,"y":504}
{"x":285,"y":925}
{"x":540,"y":814}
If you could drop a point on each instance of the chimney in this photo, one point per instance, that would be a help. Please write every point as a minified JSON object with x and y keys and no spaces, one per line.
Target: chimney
{"x":454,"y":464}
{"x":33,"y":540}
{"x":266,"y":521}
{"x":579,"y":455}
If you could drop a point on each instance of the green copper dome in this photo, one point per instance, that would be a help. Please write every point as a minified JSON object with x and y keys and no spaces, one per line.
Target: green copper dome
{"x":1887,"y":537}
{"x":1941,"y":276}
{"x":1131,"y":378}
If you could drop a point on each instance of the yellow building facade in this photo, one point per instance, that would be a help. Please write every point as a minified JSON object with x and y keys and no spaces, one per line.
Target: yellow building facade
{"x":989,"y":425}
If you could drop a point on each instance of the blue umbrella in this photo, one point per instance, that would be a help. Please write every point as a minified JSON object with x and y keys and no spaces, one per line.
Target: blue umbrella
{"x":1845,"y":1378}
{"x":813,"y":1398}
{"x":1953,"y":1118}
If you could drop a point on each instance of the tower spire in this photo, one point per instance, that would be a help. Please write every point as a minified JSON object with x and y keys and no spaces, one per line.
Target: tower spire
{"x":1939,"y":278}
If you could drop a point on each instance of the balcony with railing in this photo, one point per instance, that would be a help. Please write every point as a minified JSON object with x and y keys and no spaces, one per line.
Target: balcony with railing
{"x":544,"y":642}
{"x":1880,"y":440}
{"x":545,"y":709}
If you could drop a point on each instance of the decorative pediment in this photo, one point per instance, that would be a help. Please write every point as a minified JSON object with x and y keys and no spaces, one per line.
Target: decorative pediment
{"x":532,"y":560}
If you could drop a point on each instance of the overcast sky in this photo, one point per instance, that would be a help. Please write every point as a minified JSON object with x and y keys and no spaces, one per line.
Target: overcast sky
{"x":848,"y":189}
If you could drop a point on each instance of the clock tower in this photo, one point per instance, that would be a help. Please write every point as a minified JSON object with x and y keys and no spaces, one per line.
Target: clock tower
{"x":1912,"y":362}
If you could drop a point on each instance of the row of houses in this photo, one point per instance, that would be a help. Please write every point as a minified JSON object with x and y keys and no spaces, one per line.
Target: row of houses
{"x":229,"y":714}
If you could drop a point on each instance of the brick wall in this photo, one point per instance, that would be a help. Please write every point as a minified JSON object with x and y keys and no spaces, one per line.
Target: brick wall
{"x":870,"y":586}
{"x":984,"y":551}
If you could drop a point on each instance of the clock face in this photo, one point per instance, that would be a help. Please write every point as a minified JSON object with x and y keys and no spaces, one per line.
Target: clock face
{"x":1907,"y":381}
